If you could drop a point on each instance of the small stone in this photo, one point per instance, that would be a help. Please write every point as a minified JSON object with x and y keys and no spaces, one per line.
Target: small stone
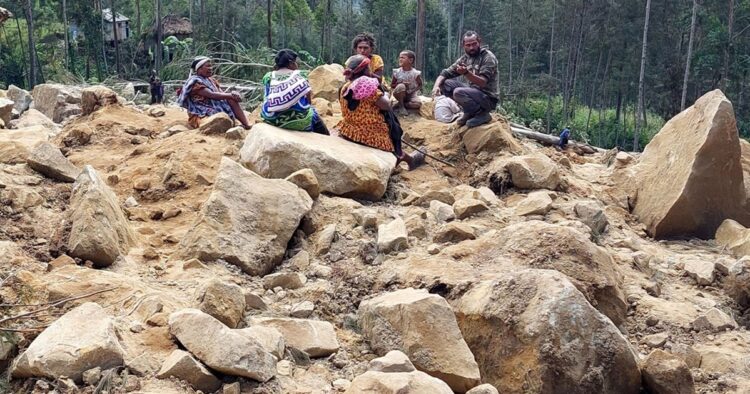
{"x":467,"y":207}
{"x":653,"y":289}
{"x":655,"y":340}
{"x":305,"y":179}
{"x":393,"y":361}
{"x":454,"y":233}
{"x":535,"y":203}
{"x":341,"y":384}
{"x":142,"y":184}
{"x":652,"y":320}
{"x":366,"y":219}
{"x":303,"y":310}
{"x":60,"y":261}
{"x":193,"y":264}
{"x":216,"y":124}
{"x":137,"y":327}
{"x":222,"y":300}
{"x":92,"y":376}
{"x":284,"y":280}
{"x":392,"y":236}
{"x":701,"y":271}
{"x":158,"y":319}
{"x":113,"y":179}
{"x":150,"y":254}
{"x":442,"y":211}
{"x":691,"y":356}
{"x":433,"y":249}
{"x":254,"y":301}
{"x":325,"y":239}
{"x":714,"y":320}
{"x":231,"y":388}
{"x":300,"y":260}
{"x":284,"y":368}
{"x":170,"y":213}
{"x":235,"y":133}
{"x":176,"y":129}
{"x":483,"y":389}
{"x":131,"y":202}
{"x":184,"y":366}
{"x":592,"y":214}
{"x":321,"y":271}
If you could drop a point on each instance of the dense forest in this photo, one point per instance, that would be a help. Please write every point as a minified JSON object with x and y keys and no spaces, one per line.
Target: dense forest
{"x":604,"y":67}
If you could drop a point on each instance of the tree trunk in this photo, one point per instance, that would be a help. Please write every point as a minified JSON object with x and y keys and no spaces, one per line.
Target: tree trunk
{"x":101,"y":19}
{"x":510,"y":47}
{"x":29,"y":12}
{"x":551,"y":67}
{"x":23,"y":51}
{"x":138,"y":17}
{"x":67,"y":37}
{"x":449,"y":35}
{"x":420,"y":34}
{"x":269,"y":42}
{"x":116,"y":38}
{"x":283,"y":24}
{"x":223,"y":24}
{"x":728,"y":47}
{"x":460,"y":42}
{"x":689,"y":56}
{"x":639,"y":111}
{"x":158,"y":52}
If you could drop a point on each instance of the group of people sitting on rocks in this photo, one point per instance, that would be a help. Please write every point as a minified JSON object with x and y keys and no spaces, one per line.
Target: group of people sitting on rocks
{"x":466,"y":92}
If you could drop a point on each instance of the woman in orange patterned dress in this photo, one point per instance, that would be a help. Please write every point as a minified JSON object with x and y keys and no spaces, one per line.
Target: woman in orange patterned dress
{"x":367,"y":115}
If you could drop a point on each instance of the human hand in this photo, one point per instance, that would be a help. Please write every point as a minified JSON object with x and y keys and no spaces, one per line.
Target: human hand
{"x":236,"y":96}
{"x":436,"y":91}
{"x":461,"y":69}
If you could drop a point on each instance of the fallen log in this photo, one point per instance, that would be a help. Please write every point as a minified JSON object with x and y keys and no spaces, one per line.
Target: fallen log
{"x":547,"y":139}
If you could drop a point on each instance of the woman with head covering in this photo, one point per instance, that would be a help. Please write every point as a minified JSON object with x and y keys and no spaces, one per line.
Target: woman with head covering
{"x":286,"y":101}
{"x":367,"y":115}
{"x":202,"y":96}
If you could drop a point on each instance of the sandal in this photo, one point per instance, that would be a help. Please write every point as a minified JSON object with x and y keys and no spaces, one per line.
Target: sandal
{"x":417,"y":159}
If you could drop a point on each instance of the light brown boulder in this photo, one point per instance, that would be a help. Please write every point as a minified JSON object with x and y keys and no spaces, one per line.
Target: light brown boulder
{"x":221,"y":348}
{"x":326,"y":81}
{"x":393,"y":361}
{"x":314,"y":337}
{"x":16,"y":145}
{"x":341,"y":167}
{"x":483,"y":389}
{"x":442,"y":211}
{"x":535,"y":203}
{"x":714,"y":320}
{"x":47,"y":160}
{"x":20,"y":97}
{"x":591,"y":269}
{"x":268,"y":337}
{"x":682,"y":190}
{"x":454,"y":233}
{"x":96,"y":97}
{"x":306,"y":180}
{"x":664,"y":373}
{"x":217,"y":124}
{"x":323,"y":106}
{"x":535,"y":171}
{"x":56,"y":101}
{"x":532,"y":331}
{"x":31,"y":118}
{"x":423,"y":326}
{"x":6,"y":110}
{"x":397,"y":383}
{"x":181,"y":365}
{"x":99,"y":230}
{"x":285,"y":280}
{"x":592,"y":214}
{"x":81,"y":339}
{"x":491,"y":137}
{"x":246,"y":221}
{"x":735,"y":237}
{"x":467,"y":207}
{"x":222,"y":300}
{"x":738,"y":282}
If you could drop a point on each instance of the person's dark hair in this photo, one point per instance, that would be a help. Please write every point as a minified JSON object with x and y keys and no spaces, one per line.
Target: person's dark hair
{"x":363,"y":37}
{"x":284,"y":58}
{"x":410,"y":54}
{"x":471,"y":33}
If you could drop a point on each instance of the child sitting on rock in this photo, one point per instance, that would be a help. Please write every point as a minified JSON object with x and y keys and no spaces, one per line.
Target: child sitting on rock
{"x":406,"y":83}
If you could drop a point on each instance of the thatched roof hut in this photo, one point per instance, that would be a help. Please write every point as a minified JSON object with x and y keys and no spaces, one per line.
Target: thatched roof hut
{"x":173,"y":25}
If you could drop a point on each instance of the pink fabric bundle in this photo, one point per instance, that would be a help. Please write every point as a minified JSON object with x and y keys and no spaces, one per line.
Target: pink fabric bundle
{"x":363,"y":87}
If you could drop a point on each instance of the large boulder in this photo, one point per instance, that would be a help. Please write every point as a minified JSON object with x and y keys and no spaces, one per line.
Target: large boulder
{"x":735,"y":237}
{"x":56,"y":101}
{"x":222,"y":300}
{"x":47,"y":160}
{"x":81,"y":339}
{"x":6,"y":110}
{"x":738,"y":282}
{"x":20,"y":97}
{"x":491,"y":137}
{"x":246,"y":221}
{"x":181,"y":365}
{"x":95,"y":97}
{"x":315,"y":337}
{"x":665,"y":373}
{"x":592,"y":270}
{"x":423,"y":326}
{"x":226,"y":350}
{"x":532,"y":331}
{"x":535,"y":171}
{"x":326,"y":80}
{"x":415,"y":382}
{"x":32,"y":117}
{"x":341,"y":167}
{"x":99,"y":230}
{"x":682,"y":188}
{"x":16,"y":145}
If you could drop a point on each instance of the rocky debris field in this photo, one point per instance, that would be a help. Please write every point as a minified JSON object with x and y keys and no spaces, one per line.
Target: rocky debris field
{"x":137,"y":255}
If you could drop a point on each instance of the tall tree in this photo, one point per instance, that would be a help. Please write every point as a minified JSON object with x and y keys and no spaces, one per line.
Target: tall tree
{"x":115,"y":36}
{"x":551,"y":66}
{"x":158,"y":51}
{"x":689,"y":56}
{"x":420,"y":37}
{"x":138,"y":18}
{"x":269,"y":41}
{"x":33,"y":66}
{"x":639,"y":111}
{"x":728,"y":46}
{"x":67,"y":36}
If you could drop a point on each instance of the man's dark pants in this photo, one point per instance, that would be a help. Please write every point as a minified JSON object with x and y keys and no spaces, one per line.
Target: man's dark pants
{"x":471,"y":100}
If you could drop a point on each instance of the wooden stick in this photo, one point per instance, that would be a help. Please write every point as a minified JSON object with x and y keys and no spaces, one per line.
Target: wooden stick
{"x":428,"y":155}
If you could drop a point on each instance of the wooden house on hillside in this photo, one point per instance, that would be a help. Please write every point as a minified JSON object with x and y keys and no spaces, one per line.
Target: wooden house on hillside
{"x":123,"y":26}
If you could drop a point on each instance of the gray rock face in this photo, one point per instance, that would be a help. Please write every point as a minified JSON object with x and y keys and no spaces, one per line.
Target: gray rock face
{"x":423,"y":326}
{"x":81,"y":339}
{"x":537,"y":322}
{"x":99,"y":229}
{"x":221,"y":348}
{"x":47,"y":160}
{"x":20,"y":97}
{"x":341,"y":167}
{"x":592,"y":215}
{"x":56,"y":101}
{"x":314,"y":337}
{"x":246,"y":221}
{"x":181,"y":365}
